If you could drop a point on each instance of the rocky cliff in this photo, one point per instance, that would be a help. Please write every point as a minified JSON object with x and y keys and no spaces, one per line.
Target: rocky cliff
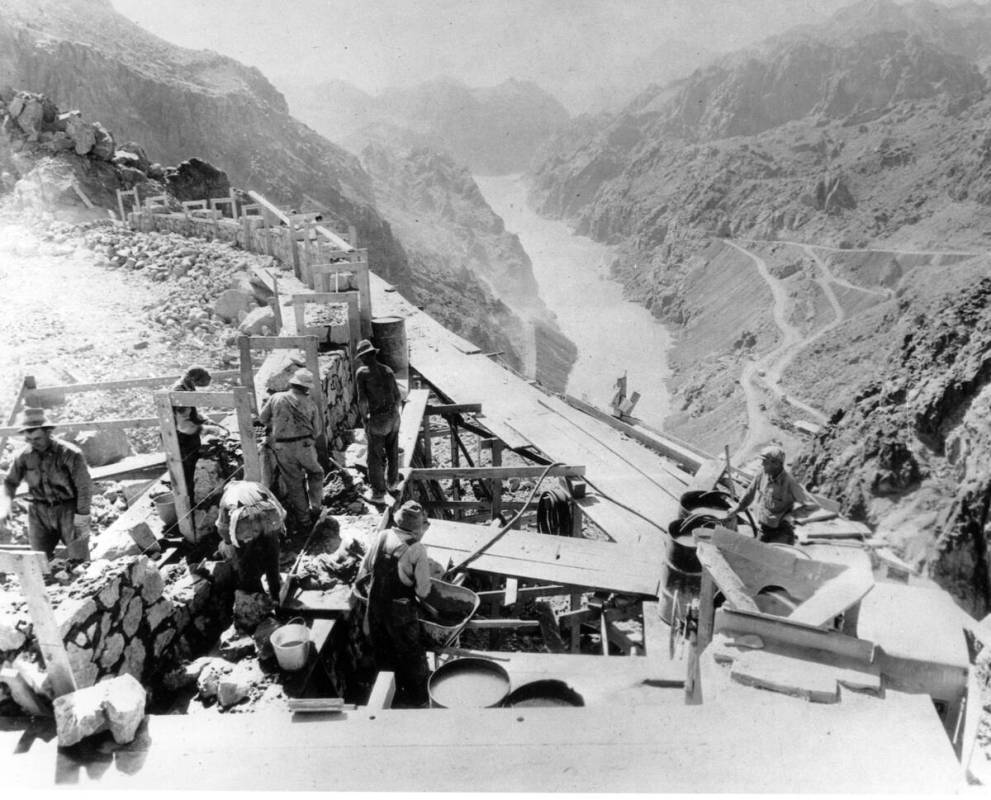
{"x":494,"y":130}
{"x":178,"y":103}
{"x":455,"y":241}
{"x":867,"y":135}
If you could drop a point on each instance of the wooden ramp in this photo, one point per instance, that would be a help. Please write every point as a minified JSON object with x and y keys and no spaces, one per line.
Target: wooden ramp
{"x":550,"y":559}
{"x":762,"y":743}
{"x":633,"y":492}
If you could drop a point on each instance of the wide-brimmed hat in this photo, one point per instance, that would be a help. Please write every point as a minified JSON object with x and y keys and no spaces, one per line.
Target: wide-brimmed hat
{"x":302,"y":377}
{"x":773,"y":453}
{"x":364,"y":348}
{"x":34,"y":418}
{"x":411,"y":517}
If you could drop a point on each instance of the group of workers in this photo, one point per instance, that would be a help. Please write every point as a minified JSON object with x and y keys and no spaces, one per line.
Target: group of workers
{"x":253,"y":516}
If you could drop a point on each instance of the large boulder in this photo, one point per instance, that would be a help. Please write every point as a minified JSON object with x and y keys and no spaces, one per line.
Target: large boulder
{"x":117,"y":705}
{"x":196,"y":179}
{"x":80,"y":131}
{"x":234,"y":305}
{"x":104,"y":146}
{"x":259,"y":321}
{"x":131,"y":154}
{"x":102,"y":446}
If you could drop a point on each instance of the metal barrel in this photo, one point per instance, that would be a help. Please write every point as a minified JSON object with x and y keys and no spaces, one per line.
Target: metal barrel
{"x":681,"y":571}
{"x":389,"y":334}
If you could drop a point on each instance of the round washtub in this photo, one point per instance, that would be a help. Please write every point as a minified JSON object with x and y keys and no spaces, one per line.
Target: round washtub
{"x":468,"y":683}
{"x":544,"y":694}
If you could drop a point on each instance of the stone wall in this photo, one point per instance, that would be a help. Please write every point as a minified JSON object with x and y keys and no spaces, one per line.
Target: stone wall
{"x":126,"y":616}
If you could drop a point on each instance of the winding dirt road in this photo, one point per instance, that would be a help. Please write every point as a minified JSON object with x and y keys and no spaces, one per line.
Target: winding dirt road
{"x":764,"y":375}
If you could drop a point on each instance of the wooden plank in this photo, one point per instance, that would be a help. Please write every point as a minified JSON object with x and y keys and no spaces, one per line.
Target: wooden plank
{"x":498,"y":624}
{"x":512,"y":592}
{"x":834,"y":597}
{"x":445,"y":409}
{"x":315,"y":705}
{"x":524,"y":593}
{"x":725,"y":578}
{"x":781,"y":629}
{"x":550,"y":559}
{"x":410,"y":424}
{"x":200,"y":399}
{"x":173,"y":459}
{"x":383,"y":691}
{"x":281,"y":342}
{"x":313,"y":365}
{"x":30,"y":568}
{"x":609,"y":746}
{"x":497,"y":473}
{"x":790,"y":676}
{"x":131,"y":383}
{"x":247,"y":372}
{"x":249,"y":449}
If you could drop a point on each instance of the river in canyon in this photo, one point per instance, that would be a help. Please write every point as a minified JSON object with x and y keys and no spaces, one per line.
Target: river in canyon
{"x":613,"y":335}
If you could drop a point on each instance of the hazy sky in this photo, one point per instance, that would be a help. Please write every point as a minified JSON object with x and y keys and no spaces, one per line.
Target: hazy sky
{"x":564,"y":45}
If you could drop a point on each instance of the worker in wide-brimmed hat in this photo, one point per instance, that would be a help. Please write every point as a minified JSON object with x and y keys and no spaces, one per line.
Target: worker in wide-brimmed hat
{"x":400,"y":577}
{"x":59,"y":488}
{"x":778,"y":495}
{"x":380,"y":404}
{"x":189,"y":424}
{"x":293,"y":425}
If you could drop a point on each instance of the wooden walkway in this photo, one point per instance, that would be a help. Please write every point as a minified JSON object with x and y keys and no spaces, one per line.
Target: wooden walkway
{"x":633,"y":492}
{"x":574,"y":562}
{"x":753,"y":742}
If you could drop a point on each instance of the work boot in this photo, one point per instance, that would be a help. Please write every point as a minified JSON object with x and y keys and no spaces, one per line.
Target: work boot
{"x":376,"y":498}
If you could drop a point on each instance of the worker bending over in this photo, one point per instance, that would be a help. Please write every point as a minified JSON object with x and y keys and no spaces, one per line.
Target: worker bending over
{"x":778,"y":495}
{"x":291,"y":417}
{"x":59,"y":489}
{"x":380,"y":405}
{"x":400,"y":576}
{"x":251,"y":524}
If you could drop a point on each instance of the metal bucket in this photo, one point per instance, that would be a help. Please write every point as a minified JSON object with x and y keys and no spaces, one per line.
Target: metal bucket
{"x":544,"y":694}
{"x":468,"y":683}
{"x":711,"y":501}
{"x":455,"y":604}
{"x":389,"y":334}
{"x":291,"y":644}
{"x":682,"y":548}
{"x":165,"y":506}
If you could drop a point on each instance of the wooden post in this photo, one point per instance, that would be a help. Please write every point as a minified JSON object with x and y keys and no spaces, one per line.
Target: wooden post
{"x":425,"y":434}
{"x":249,"y":450}
{"x":276,"y":303}
{"x":313,"y":365}
{"x":576,"y":634}
{"x":455,"y":462}
{"x":173,"y":460}
{"x":30,"y":566}
{"x":495,"y":485}
{"x":247,"y":371}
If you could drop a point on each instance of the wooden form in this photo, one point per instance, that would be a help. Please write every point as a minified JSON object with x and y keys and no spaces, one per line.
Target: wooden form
{"x":39,"y":395}
{"x":123,"y":194}
{"x":350,"y":299}
{"x":30,"y":566}
{"x":356,"y":261}
{"x":579,"y":563}
{"x":308,"y":344}
{"x":492,"y":473}
{"x":165,"y":403}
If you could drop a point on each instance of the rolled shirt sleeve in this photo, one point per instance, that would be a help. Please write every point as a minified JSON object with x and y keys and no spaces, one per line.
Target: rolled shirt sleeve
{"x":14,"y":476}
{"x":415,"y":569}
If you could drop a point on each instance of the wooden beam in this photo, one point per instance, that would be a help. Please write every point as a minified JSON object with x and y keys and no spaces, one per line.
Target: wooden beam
{"x":281,"y":342}
{"x":173,"y":459}
{"x":383,"y":691}
{"x":725,"y":578}
{"x":497,"y":473}
{"x":446,"y":409}
{"x":781,"y":629}
{"x":30,"y":567}
{"x":524,"y":593}
{"x":834,"y":597}
{"x":249,"y":448}
{"x":130,"y":383}
{"x":200,"y":399}
{"x":495,"y":624}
